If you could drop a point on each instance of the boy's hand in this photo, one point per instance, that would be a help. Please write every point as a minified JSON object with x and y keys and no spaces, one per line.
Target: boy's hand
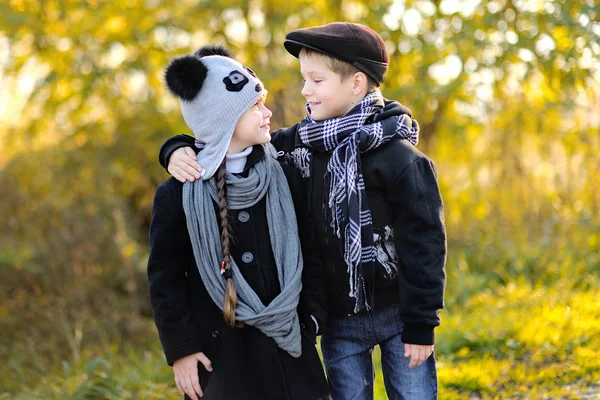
{"x":186,"y":374}
{"x":417,"y":353}
{"x":183,"y":165}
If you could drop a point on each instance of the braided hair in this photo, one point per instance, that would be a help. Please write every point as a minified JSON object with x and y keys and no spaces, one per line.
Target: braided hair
{"x":230,"y":292}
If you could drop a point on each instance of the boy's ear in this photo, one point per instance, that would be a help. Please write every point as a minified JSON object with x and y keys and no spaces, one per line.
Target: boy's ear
{"x":360,"y":82}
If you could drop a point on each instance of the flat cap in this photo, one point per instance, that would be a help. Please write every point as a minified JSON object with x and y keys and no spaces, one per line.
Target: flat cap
{"x":356,"y":44}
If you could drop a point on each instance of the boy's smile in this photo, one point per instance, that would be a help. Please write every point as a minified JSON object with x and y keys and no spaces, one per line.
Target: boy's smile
{"x":327,"y":95}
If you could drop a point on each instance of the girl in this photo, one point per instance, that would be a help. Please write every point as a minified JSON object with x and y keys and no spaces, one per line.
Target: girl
{"x":226,"y":268}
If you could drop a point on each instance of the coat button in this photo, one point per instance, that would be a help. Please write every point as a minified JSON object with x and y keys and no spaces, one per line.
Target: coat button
{"x":247,"y":257}
{"x":215,"y":334}
{"x":243,"y":216}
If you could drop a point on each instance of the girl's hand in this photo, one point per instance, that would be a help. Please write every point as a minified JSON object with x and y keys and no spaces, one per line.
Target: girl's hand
{"x":417,"y":353}
{"x":183,"y":165}
{"x":186,"y":374}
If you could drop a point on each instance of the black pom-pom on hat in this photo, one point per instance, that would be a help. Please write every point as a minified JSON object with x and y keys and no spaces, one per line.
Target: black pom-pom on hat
{"x":212,"y":50}
{"x":185,"y":76}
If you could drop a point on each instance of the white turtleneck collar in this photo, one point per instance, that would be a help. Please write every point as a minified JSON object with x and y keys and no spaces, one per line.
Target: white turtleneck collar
{"x":236,"y":162}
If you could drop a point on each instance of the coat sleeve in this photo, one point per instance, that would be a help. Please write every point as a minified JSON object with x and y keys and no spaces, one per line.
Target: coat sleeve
{"x":172,"y":144}
{"x":420,"y":240}
{"x":168,"y":263}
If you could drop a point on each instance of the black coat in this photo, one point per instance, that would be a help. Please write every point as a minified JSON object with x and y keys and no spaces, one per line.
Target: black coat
{"x":246,"y":363}
{"x":408,"y":223}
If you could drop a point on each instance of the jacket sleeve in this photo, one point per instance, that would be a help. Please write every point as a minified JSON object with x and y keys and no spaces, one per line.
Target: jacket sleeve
{"x":169,"y":260}
{"x":284,"y":139}
{"x":281,"y":140}
{"x":313,"y":298}
{"x":172,"y":144}
{"x":420,"y":240}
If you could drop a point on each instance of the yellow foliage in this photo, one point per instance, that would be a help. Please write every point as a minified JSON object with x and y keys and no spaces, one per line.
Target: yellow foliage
{"x":115,"y":24}
{"x":516,"y":143}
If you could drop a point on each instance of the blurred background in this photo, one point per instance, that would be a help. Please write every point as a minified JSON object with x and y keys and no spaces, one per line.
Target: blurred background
{"x":507,"y":93}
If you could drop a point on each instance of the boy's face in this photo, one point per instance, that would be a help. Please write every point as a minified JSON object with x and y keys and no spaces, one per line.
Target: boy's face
{"x":327,"y":95}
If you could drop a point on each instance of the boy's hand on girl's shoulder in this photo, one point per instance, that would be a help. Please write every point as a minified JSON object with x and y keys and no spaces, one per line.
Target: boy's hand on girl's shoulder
{"x":417,"y":353}
{"x":186,"y":374}
{"x":183,"y":165}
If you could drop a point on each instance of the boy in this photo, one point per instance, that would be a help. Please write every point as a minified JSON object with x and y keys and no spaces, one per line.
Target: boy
{"x":380,"y":211}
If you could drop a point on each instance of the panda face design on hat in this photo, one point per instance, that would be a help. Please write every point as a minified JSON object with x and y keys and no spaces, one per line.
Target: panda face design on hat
{"x":235,"y":81}
{"x":214,"y":92}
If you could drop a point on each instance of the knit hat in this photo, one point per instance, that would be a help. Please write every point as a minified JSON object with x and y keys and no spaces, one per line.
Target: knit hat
{"x":214,"y":92}
{"x":356,"y":44}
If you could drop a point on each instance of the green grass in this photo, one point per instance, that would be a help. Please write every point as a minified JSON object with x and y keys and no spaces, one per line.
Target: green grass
{"x":519,"y":341}
{"x":515,"y":341}
{"x":136,"y":375}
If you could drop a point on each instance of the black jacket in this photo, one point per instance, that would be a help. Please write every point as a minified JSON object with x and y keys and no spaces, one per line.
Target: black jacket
{"x":408,"y":223}
{"x":246,"y":363}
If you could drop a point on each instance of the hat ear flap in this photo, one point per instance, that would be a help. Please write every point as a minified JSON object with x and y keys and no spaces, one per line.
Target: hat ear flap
{"x":212,"y":50}
{"x":185,"y":76}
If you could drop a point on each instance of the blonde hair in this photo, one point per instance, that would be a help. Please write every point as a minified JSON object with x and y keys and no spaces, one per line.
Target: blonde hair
{"x":342,"y":68}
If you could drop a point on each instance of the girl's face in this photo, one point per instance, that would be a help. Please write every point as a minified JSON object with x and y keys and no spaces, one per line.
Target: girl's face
{"x":253,"y":128}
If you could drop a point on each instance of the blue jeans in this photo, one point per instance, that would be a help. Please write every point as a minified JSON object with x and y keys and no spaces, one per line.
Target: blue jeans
{"x":347,"y":347}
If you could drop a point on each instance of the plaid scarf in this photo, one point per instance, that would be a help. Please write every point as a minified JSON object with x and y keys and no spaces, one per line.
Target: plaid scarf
{"x":347,"y":137}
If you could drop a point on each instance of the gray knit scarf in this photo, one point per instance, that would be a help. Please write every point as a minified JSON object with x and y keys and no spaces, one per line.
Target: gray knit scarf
{"x":347,"y":137}
{"x":278,"y":320}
